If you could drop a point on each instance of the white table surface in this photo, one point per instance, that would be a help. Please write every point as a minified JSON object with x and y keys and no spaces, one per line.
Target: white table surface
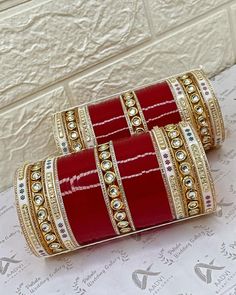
{"x":193,"y":257}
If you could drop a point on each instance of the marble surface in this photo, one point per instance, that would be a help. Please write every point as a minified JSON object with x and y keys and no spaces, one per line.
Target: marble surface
{"x":188,"y":258}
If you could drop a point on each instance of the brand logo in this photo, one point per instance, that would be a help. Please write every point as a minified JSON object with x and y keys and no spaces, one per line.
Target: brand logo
{"x":141,"y":281}
{"x":220,"y":206}
{"x":5,"y":263}
{"x":204,"y":270}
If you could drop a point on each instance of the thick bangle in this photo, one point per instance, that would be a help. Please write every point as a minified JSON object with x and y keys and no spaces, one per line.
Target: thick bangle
{"x":188,"y":97}
{"x":113,"y":190}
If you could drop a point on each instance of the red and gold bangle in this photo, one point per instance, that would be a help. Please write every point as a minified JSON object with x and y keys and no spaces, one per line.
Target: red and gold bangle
{"x":188,"y":97}
{"x":112,"y":188}
{"x":133,"y":113}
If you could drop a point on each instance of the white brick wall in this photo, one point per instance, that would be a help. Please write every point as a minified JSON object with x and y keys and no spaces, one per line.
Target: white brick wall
{"x":55,"y":54}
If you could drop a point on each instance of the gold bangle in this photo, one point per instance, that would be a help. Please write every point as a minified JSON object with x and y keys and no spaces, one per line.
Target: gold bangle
{"x":202,"y":167}
{"x":169,"y":175}
{"x":73,"y":133}
{"x":187,"y":176}
{"x":212,"y":103}
{"x":133,"y":113}
{"x":180,"y":100}
{"x":23,"y":210}
{"x":41,"y":212}
{"x":112,"y":189}
{"x":199,"y":109}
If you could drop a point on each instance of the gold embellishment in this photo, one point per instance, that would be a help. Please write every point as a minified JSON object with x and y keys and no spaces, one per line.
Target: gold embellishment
{"x":121,"y":189}
{"x":30,"y":229}
{"x":168,"y":172}
{"x":41,"y":212}
{"x":22,"y":206}
{"x":180,"y":99}
{"x":133,"y":113}
{"x":73,"y":133}
{"x":51,"y":195}
{"x":86,"y":127}
{"x":59,"y":134}
{"x":20,"y":173}
{"x":53,"y":201}
{"x":112,"y":188}
{"x":187,"y":177}
{"x":199,"y":109}
{"x":202,"y":167}
{"x":212,"y":103}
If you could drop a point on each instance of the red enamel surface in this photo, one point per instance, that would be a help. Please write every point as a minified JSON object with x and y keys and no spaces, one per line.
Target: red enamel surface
{"x":85,"y":208}
{"x":158,"y":105}
{"x":142,"y":182}
{"x":111,"y":115}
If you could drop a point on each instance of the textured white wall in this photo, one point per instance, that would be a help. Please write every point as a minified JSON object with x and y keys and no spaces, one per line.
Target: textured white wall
{"x":55,"y":54}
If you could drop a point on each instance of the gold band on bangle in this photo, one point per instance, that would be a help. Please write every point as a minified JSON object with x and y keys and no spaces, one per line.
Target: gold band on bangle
{"x":133,"y":113}
{"x":169,"y":173}
{"x":201,"y":165}
{"x":23,"y":210}
{"x":212,"y":103}
{"x":73,"y":132}
{"x":56,"y":206}
{"x":187,"y":176}
{"x":60,"y":134}
{"x":199,"y":109}
{"x":197,"y":104}
{"x":40,"y":210}
{"x":180,"y":100}
{"x":86,"y":127}
{"x":112,"y":188}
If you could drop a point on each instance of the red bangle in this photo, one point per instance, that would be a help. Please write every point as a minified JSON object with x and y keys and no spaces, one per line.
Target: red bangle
{"x":113,"y":190}
{"x":188,"y":97}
